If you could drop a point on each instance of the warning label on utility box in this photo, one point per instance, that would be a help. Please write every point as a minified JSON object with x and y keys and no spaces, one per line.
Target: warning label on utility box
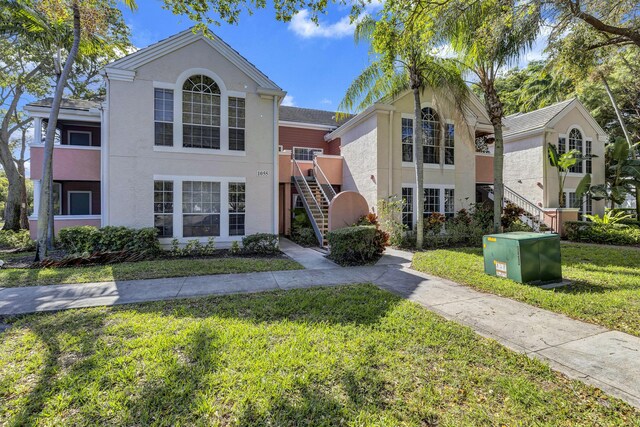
{"x":501,"y":269}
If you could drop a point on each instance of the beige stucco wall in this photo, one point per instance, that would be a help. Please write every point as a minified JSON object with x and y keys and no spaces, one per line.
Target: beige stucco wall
{"x":461,"y":175}
{"x":359,"y":151}
{"x":133,"y":162}
{"x":524,"y":160}
{"x":571,"y":119}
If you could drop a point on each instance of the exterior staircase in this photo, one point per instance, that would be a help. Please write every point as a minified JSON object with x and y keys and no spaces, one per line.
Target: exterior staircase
{"x":533,"y":215}
{"x":316,"y":194}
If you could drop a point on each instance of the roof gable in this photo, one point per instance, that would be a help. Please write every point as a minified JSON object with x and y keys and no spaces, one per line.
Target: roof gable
{"x":124,"y":68}
{"x":547,"y":117}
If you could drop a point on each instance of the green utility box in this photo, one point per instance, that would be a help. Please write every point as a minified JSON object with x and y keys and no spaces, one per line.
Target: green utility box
{"x":523,"y":257}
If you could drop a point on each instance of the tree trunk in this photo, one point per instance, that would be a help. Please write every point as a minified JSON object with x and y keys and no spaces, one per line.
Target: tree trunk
{"x":12,"y":207}
{"x":419,"y":162}
{"x":44,"y":210}
{"x":24,"y":201}
{"x":494,"y":108}
{"x":627,"y":136}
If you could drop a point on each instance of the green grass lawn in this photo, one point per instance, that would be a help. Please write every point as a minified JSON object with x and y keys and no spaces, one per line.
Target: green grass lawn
{"x":605,"y":289}
{"x":153,"y":269}
{"x":353,"y":355}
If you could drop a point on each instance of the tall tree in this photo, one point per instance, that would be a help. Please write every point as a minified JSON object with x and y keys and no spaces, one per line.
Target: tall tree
{"x":59,"y":27}
{"x":486,"y":37}
{"x":401,"y":63}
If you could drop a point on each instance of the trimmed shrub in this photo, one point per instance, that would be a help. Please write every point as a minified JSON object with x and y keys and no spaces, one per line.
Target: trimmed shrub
{"x":357,"y":245}
{"x":260,"y":243}
{"x":20,"y":240}
{"x":78,"y":240}
{"x":193,"y":248}
{"x":87,"y":239}
{"x":612,"y":234}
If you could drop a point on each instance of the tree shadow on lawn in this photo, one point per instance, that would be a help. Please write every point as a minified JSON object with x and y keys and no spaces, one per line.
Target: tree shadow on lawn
{"x":96,"y":370}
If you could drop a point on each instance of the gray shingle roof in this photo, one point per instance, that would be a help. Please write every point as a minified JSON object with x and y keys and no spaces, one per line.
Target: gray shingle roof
{"x":311,"y":116}
{"x":67,"y":104}
{"x":523,"y":122}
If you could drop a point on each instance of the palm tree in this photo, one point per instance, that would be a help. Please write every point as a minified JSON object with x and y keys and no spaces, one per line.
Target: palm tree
{"x":403,"y":63}
{"x":487,"y":36}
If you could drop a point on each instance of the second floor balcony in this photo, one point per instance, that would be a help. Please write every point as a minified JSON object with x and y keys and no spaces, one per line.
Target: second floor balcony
{"x":70,"y":163}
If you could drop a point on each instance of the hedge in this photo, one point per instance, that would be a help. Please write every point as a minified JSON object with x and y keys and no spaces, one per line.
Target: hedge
{"x":20,"y":240}
{"x":87,"y":239}
{"x":357,"y":245}
{"x":609,"y":234}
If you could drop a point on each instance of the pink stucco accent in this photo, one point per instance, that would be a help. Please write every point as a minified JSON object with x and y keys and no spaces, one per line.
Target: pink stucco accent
{"x":484,"y":169}
{"x":346,"y":208}
{"x":69,"y":164}
{"x":332,"y":168}
{"x":59,"y":224}
{"x":284,"y":167}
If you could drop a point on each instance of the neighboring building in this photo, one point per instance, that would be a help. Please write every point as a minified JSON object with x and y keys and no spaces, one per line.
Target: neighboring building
{"x":192,"y":139}
{"x":527,"y":171}
{"x":377,"y":148}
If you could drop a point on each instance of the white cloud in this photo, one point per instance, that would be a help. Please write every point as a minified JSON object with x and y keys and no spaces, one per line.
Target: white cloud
{"x":302,"y":25}
{"x":288,"y":101}
{"x":326,"y":101}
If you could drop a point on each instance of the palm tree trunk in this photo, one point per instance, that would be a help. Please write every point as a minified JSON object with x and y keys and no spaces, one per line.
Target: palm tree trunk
{"x":494,"y":108}
{"x":627,"y":136}
{"x":419,"y":162}
{"x":44,"y":211}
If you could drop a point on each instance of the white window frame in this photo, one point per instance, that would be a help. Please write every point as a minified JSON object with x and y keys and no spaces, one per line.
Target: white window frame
{"x":585,"y":138}
{"x":69,"y":193}
{"x":224,"y":115}
{"x":441,"y":165}
{"x":293,"y":153}
{"x":440,"y":187}
{"x":224,"y":206}
{"x":84,"y":132}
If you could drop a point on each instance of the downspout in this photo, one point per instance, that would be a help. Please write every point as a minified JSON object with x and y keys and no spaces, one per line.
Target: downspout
{"x":104,"y":159}
{"x":276,"y":188}
{"x":390,"y":191}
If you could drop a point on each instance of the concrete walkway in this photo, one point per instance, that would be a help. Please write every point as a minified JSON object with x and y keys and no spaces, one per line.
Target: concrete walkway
{"x":309,"y":258}
{"x":593,"y":354}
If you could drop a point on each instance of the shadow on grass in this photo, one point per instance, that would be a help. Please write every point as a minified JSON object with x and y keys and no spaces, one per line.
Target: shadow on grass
{"x":84,"y":353}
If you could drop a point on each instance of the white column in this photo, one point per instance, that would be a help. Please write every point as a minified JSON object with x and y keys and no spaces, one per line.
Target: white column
{"x":37,"y":130}
{"x":36,"y":196}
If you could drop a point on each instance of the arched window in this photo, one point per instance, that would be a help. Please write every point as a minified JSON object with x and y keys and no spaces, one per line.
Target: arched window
{"x":576,"y":143}
{"x":431,"y":135}
{"x":201,"y":113}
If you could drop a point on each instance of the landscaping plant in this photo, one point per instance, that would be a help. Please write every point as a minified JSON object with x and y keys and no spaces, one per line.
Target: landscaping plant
{"x":358,"y":245}
{"x":260,"y":244}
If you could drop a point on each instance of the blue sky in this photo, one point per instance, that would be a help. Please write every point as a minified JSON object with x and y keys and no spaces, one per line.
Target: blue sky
{"x":314,"y":64}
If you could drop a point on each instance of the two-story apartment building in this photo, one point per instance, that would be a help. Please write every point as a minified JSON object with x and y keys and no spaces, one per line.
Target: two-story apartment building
{"x":192,"y":139}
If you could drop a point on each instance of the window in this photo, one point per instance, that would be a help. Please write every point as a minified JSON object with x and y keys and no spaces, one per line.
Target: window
{"x":407,"y":140}
{"x":200,"y":113}
{"x":236,"y":124}
{"x":79,"y":202}
{"x":575,"y":143}
{"x":81,"y":138}
{"x":407,"y":207}
{"x":306,"y":154}
{"x":163,"y":117}
{"x":298,"y":203}
{"x":449,"y":144}
{"x":163,"y":207}
{"x":200,"y":209}
{"x":449,"y":202}
{"x":588,"y":164}
{"x":431,"y":201}
{"x":431,"y":136}
{"x":236,"y":208}
{"x":562,"y":145}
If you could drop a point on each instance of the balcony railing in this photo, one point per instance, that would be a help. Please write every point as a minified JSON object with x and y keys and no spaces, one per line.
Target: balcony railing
{"x":70,"y":163}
